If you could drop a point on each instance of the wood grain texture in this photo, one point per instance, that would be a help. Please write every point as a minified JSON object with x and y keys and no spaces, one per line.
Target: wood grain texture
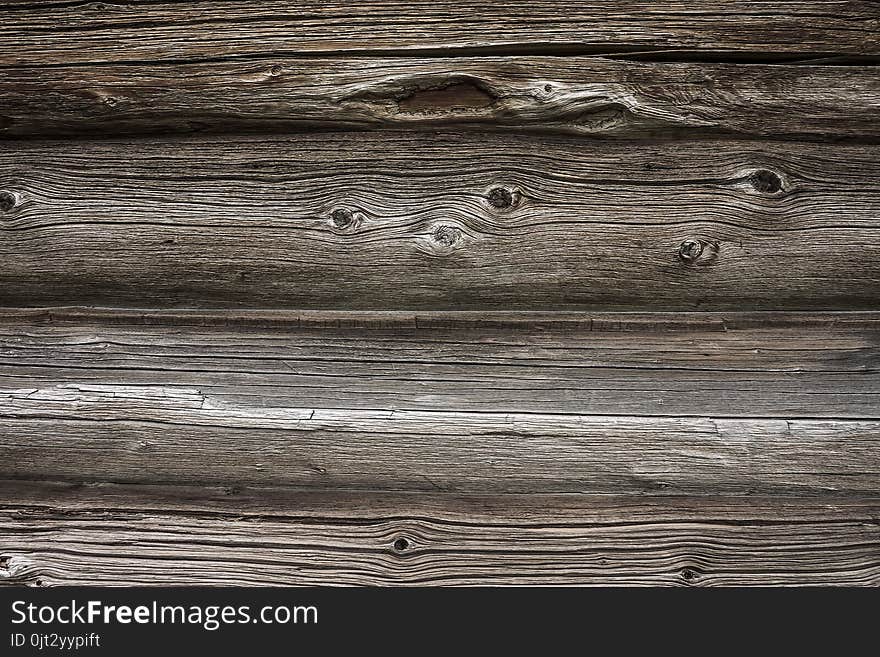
{"x":405,"y":220}
{"x":732,"y":409}
{"x":599,"y":364}
{"x":56,"y":534}
{"x":54,"y":32}
{"x":585,"y":96}
{"x":406,"y":331}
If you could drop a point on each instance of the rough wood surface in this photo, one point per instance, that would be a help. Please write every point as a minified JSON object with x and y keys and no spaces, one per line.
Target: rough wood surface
{"x":586,"y":96}
{"x":729,"y":365}
{"x":406,"y":220}
{"x":55,"y":32}
{"x":372,"y":342}
{"x":56,"y":534}
{"x":703,"y":409}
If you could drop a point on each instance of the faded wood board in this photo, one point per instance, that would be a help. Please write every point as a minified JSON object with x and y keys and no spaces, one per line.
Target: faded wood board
{"x":784,"y":407}
{"x":449,"y":220}
{"x":54,"y":32}
{"x":582,"y":96}
{"x":791,"y":365}
{"x":124,"y":435}
{"x":56,"y":534}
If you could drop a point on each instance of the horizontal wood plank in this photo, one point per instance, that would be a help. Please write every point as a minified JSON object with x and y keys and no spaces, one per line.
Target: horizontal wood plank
{"x":784,"y":407}
{"x":589,"y":364}
{"x":120,"y":434}
{"x":344,"y":355}
{"x":53,"y":32}
{"x":586,"y":96}
{"x":448,"y":220}
{"x":56,"y":535}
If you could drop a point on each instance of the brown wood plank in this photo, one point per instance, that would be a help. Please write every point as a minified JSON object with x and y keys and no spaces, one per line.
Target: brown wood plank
{"x":55,"y":534}
{"x":606,"y":408}
{"x":407,"y":220}
{"x":585,"y":96}
{"x":62,"y":32}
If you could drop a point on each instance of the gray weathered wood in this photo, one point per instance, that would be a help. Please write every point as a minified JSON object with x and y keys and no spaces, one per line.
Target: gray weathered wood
{"x":791,"y":365}
{"x":132,"y":434}
{"x":706,"y":409}
{"x":56,"y":534}
{"x":585,"y":96}
{"x":405,"y":220}
{"x":50,"y":32}
{"x":358,"y":356}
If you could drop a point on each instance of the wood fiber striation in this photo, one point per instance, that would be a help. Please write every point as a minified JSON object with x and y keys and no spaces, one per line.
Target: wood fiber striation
{"x":399,"y":220}
{"x":426,"y":293}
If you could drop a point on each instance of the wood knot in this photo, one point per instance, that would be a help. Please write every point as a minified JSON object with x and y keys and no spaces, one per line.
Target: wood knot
{"x":607,"y":118}
{"x":276,"y":70}
{"x":690,"y":250}
{"x":500,"y":197}
{"x":688,"y":574}
{"x":446,"y":235}
{"x":342,"y":218}
{"x":400,"y":545}
{"x":765,"y":181}
{"x":111,"y":101}
{"x":14,"y":567}
{"x":8,"y":200}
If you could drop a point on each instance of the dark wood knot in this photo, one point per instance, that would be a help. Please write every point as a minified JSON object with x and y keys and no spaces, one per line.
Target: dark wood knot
{"x":500,"y":198}
{"x":690,"y":250}
{"x":401,"y":545}
{"x":342,"y":218}
{"x":8,"y":200}
{"x":446,"y":235}
{"x":276,"y":70}
{"x":688,"y":574}
{"x":765,"y":181}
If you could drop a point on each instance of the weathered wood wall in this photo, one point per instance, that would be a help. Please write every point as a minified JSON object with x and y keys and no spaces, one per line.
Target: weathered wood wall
{"x":440,"y":293}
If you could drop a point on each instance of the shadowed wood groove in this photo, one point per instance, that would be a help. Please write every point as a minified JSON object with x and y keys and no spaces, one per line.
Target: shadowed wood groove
{"x":405,"y":220}
{"x":581,"y":96}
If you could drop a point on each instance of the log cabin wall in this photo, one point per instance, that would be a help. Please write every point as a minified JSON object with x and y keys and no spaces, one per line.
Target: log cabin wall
{"x":440,"y":293}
